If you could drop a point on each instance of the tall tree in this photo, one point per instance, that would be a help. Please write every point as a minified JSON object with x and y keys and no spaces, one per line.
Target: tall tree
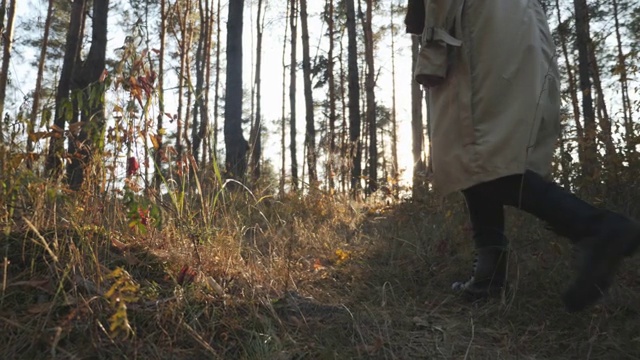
{"x":589,"y":165}
{"x":256,"y":130}
{"x":330,"y":9}
{"x":235,"y":144}
{"x":203,"y":54}
{"x":563,"y":34}
{"x":621,"y":70}
{"x":86,"y":79}
{"x":310,"y":133}
{"x":293,"y":19}
{"x":63,"y":110}
{"x":283,"y":127}
{"x":7,"y":44}
{"x":355,"y":146}
{"x":370,"y":83}
{"x":395,"y":173}
{"x":37,"y":92}
{"x":159,"y":150}
{"x":216,"y":96}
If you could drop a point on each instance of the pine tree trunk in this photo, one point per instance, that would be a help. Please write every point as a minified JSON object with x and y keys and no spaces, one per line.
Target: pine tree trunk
{"x":310,"y":133}
{"x":283,"y":125}
{"x":256,"y":131}
{"x":590,"y":163}
{"x":293,"y":16}
{"x":603,"y":115}
{"x":235,"y":143}
{"x":332,"y":97}
{"x":627,"y":109}
{"x":370,"y":83}
{"x":73,"y":45}
{"x":205,"y":124}
{"x":37,"y":93}
{"x":7,"y":44}
{"x":159,"y":150}
{"x":563,"y":33}
{"x":90,"y":138}
{"x":355,"y":146}
{"x":395,"y":173}
{"x":199,"y":109}
{"x":216,"y":96}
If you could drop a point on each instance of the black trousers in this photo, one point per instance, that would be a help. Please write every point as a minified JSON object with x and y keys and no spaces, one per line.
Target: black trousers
{"x":486,"y":202}
{"x":566,"y":214}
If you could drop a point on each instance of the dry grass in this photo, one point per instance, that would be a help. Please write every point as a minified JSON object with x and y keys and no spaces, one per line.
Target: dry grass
{"x":236,"y":276}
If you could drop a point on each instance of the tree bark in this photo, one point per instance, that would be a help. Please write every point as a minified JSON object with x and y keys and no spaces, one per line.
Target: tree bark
{"x":293,"y":16}
{"x":310,"y":133}
{"x":395,"y":173}
{"x":159,"y":151}
{"x":37,"y":93}
{"x":63,"y":111}
{"x":283,"y":125}
{"x":256,"y":131}
{"x":589,"y":165}
{"x":87,"y":74}
{"x":7,"y":44}
{"x":331,"y":80}
{"x":627,"y":109}
{"x":216,"y":96}
{"x":370,"y":84}
{"x":235,"y":143}
{"x":563,"y":32}
{"x":355,"y":146}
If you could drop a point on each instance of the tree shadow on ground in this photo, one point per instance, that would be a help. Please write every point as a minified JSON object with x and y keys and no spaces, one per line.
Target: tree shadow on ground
{"x":398,"y":293}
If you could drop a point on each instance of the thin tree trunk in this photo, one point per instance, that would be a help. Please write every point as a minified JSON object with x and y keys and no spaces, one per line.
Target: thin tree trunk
{"x":216,"y":96}
{"x":370,"y":84}
{"x":159,"y":151}
{"x":395,"y":173}
{"x":332,"y":97}
{"x":6,"y":54}
{"x":184,"y":49}
{"x":256,"y":131}
{"x":293,"y":16}
{"x":621,"y":69}
{"x":37,"y":93}
{"x":355,"y":146}
{"x":199,"y":107}
{"x":283,"y":125}
{"x":310,"y":133}
{"x":345,"y":155}
{"x":205,"y":128}
{"x":573,"y":92}
{"x":589,"y":166}
{"x":603,"y":115}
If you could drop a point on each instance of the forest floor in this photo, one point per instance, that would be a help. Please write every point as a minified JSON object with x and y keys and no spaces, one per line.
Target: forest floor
{"x":310,"y":278}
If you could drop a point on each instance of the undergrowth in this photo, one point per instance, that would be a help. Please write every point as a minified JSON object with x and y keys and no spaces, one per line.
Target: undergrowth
{"x":232,"y":274}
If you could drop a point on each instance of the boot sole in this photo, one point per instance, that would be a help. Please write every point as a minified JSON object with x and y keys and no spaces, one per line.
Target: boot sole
{"x":603,"y":257}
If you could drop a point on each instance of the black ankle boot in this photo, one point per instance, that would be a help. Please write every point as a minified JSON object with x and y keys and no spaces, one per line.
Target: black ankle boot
{"x":489,"y":274}
{"x":617,"y":237}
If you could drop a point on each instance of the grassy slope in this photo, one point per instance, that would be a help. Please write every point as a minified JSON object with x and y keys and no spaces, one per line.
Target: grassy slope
{"x":313,"y":278}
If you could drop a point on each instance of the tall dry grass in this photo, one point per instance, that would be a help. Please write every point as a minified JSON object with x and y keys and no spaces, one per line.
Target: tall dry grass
{"x":235,"y":274}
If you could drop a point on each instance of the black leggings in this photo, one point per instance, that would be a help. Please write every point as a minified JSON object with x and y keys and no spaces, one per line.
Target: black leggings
{"x":486,"y":201}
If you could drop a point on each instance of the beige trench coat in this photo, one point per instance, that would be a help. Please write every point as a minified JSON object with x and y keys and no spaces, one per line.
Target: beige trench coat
{"x":497,"y":111}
